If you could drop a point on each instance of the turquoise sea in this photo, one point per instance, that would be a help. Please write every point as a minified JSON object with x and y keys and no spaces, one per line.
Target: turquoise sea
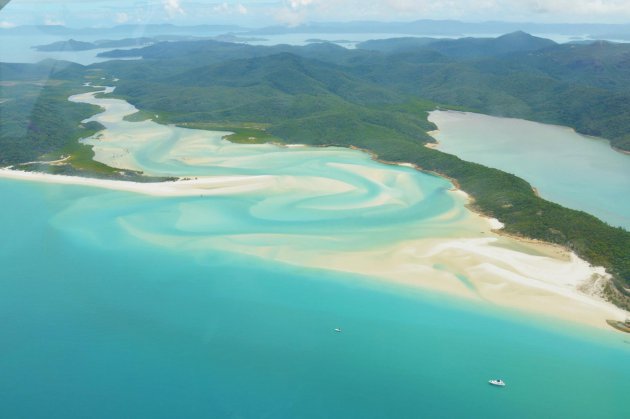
{"x":100,"y":324}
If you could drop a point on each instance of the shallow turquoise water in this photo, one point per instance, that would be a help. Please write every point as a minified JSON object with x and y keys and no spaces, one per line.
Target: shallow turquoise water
{"x":96,"y":323}
{"x":118,"y":304}
{"x":568,"y":168}
{"x":318,"y":198}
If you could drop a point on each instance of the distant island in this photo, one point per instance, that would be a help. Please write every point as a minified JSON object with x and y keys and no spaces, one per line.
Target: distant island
{"x":453,"y":28}
{"x":337,"y":41}
{"x":423,"y":27}
{"x":73,"y":45}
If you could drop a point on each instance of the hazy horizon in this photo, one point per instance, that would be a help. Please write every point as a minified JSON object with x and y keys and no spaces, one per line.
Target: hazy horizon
{"x":261,"y":13}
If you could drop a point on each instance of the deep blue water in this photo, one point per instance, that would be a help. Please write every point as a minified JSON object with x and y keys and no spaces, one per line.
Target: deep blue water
{"x":118,"y":327}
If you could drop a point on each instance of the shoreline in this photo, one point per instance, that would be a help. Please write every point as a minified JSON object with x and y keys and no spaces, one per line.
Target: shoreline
{"x":619,"y":150}
{"x":198,"y":186}
{"x":496,"y":227}
{"x":492,"y":285}
{"x":507,"y":289}
{"x":504,"y":270}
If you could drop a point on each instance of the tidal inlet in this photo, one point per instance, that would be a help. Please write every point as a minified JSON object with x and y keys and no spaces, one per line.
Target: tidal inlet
{"x":327,"y":208}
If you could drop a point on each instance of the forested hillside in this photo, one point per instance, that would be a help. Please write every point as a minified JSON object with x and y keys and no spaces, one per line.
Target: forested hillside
{"x":37,"y":118}
{"x":585,"y":86}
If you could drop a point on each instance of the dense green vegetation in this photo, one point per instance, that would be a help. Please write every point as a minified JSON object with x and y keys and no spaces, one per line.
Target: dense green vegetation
{"x":38,"y":124}
{"x":378,"y":100}
{"x":72,"y":45}
{"x":295,"y":97}
{"x":242,"y":133}
{"x":464,"y":47}
{"x":585,"y":86}
{"x":38,"y":120}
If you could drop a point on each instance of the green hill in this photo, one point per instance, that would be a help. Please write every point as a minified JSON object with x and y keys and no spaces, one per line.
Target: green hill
{"x":516,"y":75}
{"x":462,"y":47}
{"x":69,"y":45}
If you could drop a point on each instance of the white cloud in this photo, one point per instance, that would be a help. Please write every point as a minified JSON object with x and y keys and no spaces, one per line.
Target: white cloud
{"x":289,"y":17}
{"x":222,"y":7}
{"x":293,"y":12}
{"x":227,"y":8}
{"x":122,"y":17}
{"x":53,"y":21}
{"x":173,"y":8}
{"x":4,"y":24}
{"x":405,"y":5}
{"x":580,"y":7}
{"x":296,"y":4}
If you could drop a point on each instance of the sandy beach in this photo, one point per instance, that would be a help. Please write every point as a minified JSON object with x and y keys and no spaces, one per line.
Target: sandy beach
{"x":542,"y":285}
{"x":457,"y":252}
{"x":503,"y":271}
{"x":202,"y":186}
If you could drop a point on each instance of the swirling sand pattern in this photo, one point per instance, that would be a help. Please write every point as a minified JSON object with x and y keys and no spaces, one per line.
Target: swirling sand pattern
{"x":328,"y":208}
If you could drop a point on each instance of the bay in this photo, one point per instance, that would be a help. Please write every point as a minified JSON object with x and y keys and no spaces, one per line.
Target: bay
{"x":576,"y":171}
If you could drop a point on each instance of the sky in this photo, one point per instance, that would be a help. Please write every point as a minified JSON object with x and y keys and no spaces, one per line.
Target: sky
{"x":258,"y":13}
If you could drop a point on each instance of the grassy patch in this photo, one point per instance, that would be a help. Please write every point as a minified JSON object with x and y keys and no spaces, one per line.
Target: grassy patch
{"x":82,"y":158}
{"x":241,"y":132}
{"x":140,"y":116}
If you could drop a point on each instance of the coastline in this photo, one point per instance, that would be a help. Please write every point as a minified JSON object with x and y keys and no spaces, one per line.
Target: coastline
{"x":199,"y":186}
{"x":618,"y":150}
{"x":577,"y":291}
{"x":504,"y":284}
{"x":537,"y":278}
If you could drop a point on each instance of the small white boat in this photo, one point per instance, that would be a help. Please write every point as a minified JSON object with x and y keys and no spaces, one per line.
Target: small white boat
{"x":338,"y":330}
{"x":497,"y":382}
